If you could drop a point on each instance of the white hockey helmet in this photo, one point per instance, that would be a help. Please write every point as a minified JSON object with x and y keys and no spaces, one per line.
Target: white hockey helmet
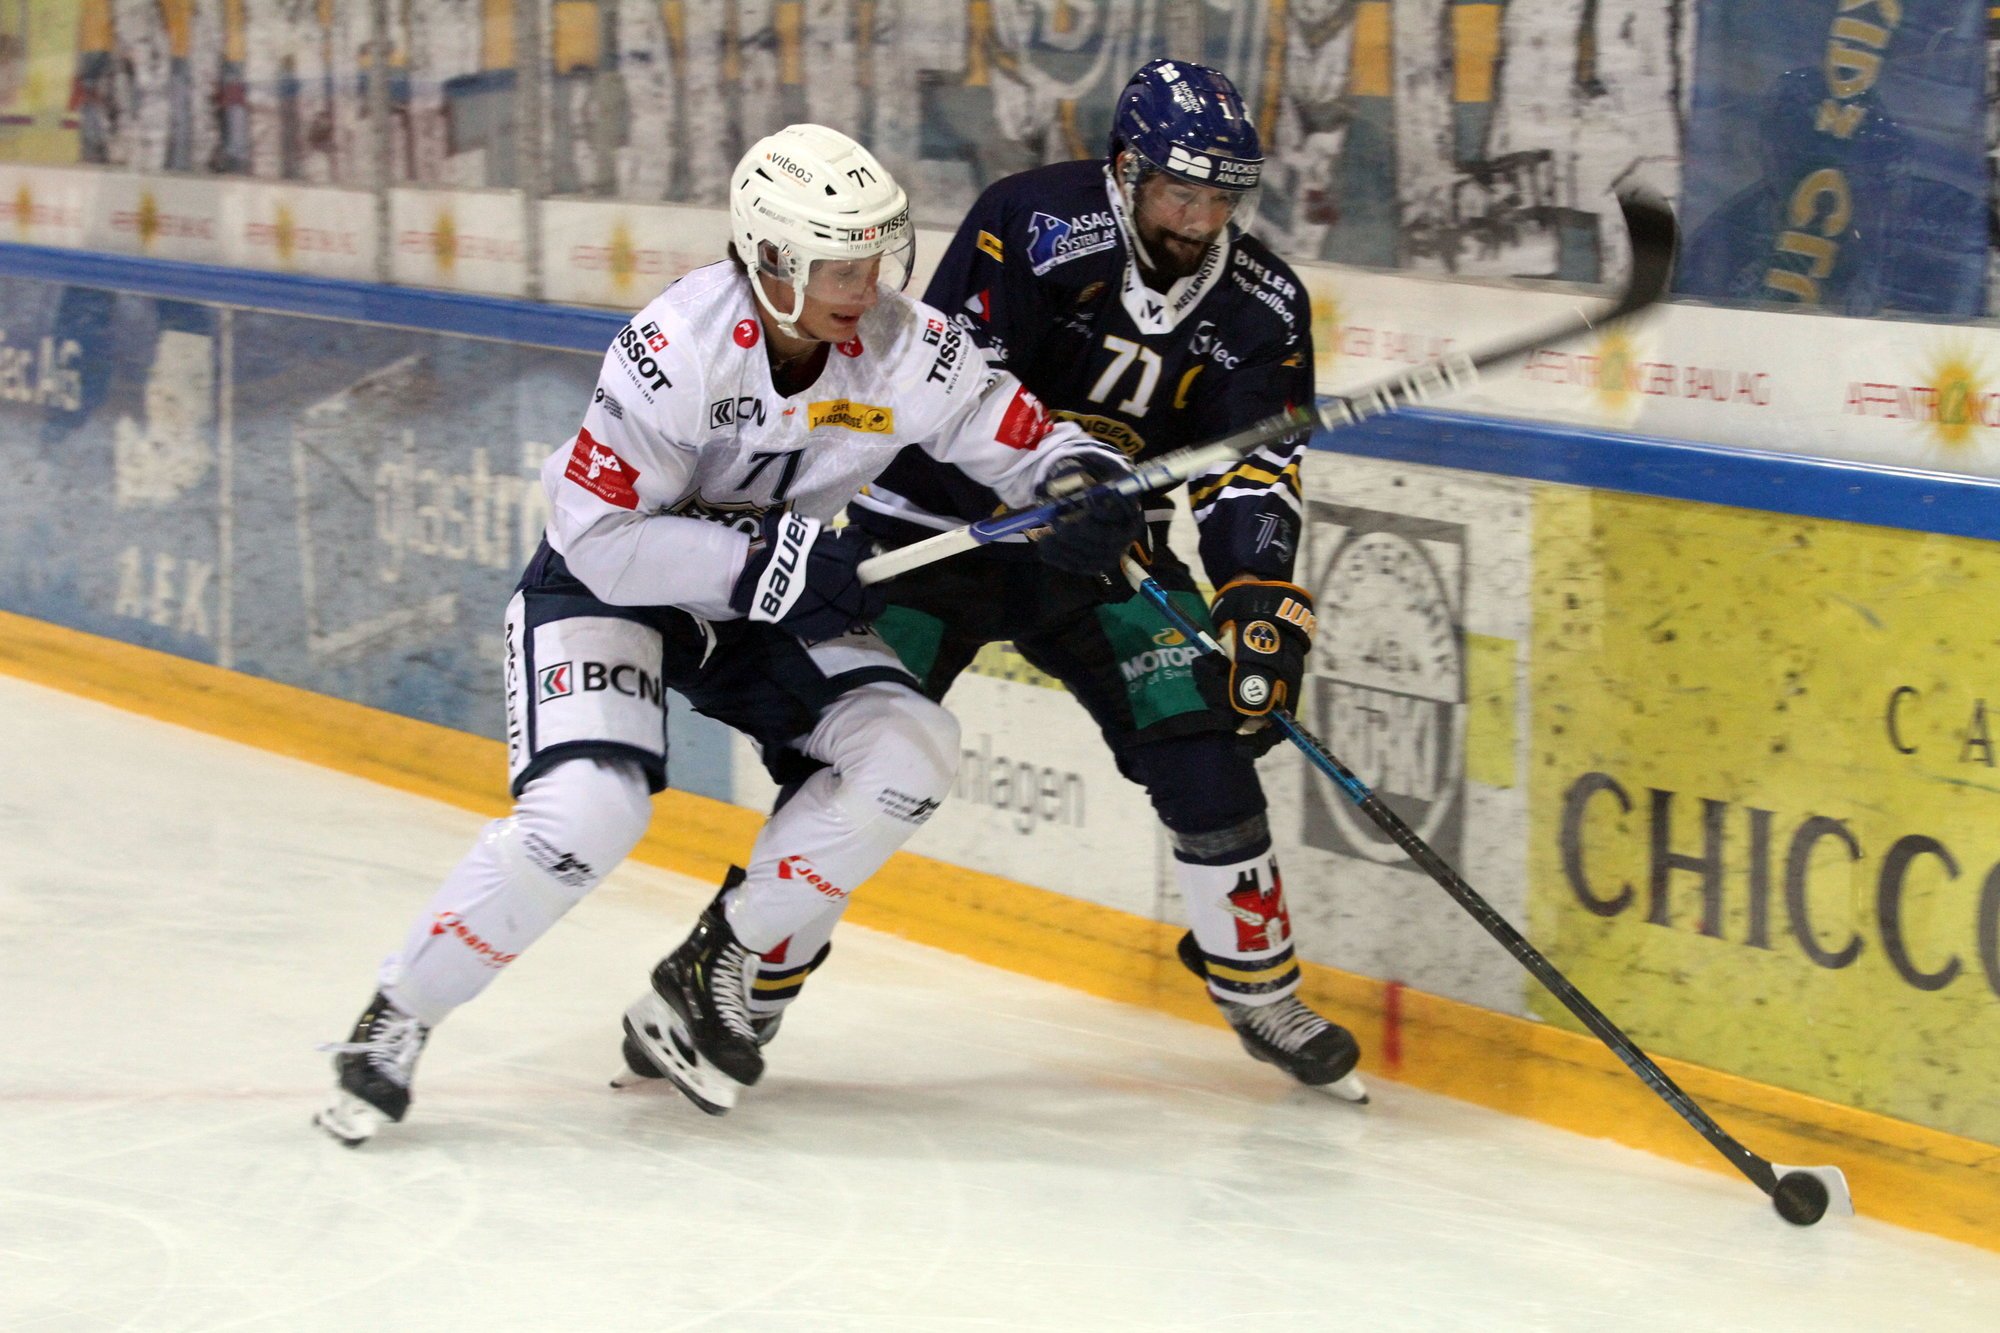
{"x":813,"y":209}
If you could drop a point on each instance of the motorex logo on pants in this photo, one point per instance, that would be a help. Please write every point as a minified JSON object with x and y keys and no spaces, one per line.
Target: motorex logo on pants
{"x":1157,"y":667}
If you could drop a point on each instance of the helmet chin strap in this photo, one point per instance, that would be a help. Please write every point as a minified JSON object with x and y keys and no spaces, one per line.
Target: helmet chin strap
{"x":787,"y":323}
{"x":1127,"y":175}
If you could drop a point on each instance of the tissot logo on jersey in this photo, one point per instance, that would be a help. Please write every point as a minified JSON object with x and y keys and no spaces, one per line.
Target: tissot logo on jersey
{"x":1053,"y":240}
{"x":639,"y":345}
{"x":850,"y":415}
{"x":603,"y":473}
{"x":944,"y":366}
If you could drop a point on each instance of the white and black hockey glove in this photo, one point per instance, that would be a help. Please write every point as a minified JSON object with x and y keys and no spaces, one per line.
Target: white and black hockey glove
{"x":804,"y":576}
{"x":1091,"y":541}
{"x":1272,"y":624}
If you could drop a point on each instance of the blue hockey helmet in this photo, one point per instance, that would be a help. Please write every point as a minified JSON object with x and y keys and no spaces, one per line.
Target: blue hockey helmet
{"x":1188,"y":121}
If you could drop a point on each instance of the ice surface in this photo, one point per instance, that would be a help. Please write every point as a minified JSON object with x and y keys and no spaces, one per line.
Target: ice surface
{"x":938,"y":1145}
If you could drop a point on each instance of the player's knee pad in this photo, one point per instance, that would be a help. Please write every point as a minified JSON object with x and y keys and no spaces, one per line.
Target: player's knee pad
{"x":574,"y":823}
{"x":570,"y":826}
{"x":1205,"y":789}
{"x":896,"y":751}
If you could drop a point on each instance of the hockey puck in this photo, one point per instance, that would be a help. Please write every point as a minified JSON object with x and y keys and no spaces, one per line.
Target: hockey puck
{"x":1800,"y":1198}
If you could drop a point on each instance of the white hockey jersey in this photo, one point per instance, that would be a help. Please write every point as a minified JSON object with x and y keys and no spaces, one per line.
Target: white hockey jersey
{"x":686,"y":443}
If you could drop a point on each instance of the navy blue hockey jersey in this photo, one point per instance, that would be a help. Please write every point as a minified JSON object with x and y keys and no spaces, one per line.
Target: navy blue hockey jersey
{"x":1040,"y":272}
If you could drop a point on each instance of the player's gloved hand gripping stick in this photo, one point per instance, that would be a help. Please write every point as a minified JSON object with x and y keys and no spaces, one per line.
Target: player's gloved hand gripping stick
{"x":1648,"y":222}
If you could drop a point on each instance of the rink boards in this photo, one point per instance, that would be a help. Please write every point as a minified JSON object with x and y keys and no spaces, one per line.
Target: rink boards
{"x":1726,"y":766}
{"x":1902,"y":393}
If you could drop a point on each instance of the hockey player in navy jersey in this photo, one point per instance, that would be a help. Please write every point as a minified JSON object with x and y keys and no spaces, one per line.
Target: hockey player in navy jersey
{"x":1130,"y":297}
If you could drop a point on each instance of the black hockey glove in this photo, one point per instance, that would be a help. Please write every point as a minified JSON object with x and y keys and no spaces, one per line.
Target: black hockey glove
{"x":1272,"y":624}
{"x":1090,"y":541}
{"x":803,"y":576}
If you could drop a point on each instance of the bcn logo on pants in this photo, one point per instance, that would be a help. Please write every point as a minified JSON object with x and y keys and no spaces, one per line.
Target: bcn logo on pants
{"x":565,"y":678}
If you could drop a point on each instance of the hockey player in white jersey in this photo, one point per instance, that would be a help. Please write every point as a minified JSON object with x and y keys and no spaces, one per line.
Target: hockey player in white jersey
{"x":689,"y":547}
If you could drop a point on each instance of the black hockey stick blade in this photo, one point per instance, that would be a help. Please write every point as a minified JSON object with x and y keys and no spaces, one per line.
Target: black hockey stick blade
{"x":1655,"y":238}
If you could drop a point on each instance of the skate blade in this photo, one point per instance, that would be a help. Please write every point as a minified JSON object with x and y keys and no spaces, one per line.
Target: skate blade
{"x":1347,"y":1088}
{"x":638,"y":1069}
{"x":631,"y":1078}
{"x":349,"y":1119}
{"x":656,"y":1031}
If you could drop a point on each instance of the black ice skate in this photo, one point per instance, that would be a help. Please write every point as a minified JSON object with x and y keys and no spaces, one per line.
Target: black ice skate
{"x":1317,"y":1053}
{"x":641,"y":1067}
{"x":638,"y":1067}
{"x":374,"y":1066}
{"x":693,"y":1027}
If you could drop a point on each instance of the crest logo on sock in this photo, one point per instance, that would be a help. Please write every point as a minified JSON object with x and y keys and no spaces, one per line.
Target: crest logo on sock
{"x":1262,"y":923}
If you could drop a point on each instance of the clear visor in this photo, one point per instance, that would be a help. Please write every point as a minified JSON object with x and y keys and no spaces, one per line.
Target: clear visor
{"x":1167,"y":205}
{"x":840,"y":281}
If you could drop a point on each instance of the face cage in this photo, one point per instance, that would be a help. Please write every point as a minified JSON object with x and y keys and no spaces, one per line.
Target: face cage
{"x":827,"y":279}
{"x":1138,"y":169}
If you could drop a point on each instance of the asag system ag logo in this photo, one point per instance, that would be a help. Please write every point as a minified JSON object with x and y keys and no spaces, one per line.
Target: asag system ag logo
{"x":1386,"y":680}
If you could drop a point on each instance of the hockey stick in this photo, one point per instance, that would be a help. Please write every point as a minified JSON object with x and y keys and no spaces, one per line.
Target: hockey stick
{"x":1801,"y":1194}
{"x":1649,"y":224}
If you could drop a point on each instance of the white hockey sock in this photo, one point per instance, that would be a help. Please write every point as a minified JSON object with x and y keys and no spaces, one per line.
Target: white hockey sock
{"x":893,"y":754}
{"x":1239,"y":918}
{"x":781,"y":972}
{"x":569,"y":828}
